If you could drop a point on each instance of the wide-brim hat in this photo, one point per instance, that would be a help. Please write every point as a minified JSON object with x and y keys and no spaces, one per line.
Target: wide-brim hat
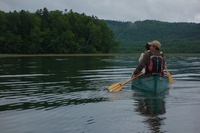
{"x":155,"y":43}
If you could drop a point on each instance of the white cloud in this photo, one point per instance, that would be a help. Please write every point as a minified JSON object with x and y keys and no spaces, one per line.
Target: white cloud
{"x":126,"y":10}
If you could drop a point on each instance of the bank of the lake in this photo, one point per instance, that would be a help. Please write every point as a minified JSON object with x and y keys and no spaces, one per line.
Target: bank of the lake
{"x":132,"y":54}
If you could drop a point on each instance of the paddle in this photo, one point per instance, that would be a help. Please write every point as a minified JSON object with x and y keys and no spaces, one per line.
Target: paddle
{"x":118,"y":86}
{"x":171,"y":80}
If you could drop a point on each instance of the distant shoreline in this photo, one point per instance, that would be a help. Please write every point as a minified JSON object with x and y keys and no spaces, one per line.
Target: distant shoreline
{"x":133,"y":54}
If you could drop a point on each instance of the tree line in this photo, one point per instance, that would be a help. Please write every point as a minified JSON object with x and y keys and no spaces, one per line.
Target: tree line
{"x":54,"y":32}
{"x":68,"y":32}
{"x":175,"y":37}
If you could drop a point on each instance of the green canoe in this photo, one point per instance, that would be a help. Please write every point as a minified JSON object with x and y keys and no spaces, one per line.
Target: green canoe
{"x":153,"y":83}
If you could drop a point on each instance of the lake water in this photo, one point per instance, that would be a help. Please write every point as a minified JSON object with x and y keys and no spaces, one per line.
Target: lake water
{"x":65,"y":94}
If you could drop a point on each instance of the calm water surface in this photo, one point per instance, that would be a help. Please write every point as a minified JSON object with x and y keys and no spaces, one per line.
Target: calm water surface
{"x":69,"y":95}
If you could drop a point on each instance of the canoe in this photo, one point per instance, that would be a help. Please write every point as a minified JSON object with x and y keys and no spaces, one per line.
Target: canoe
{"x":153,"y":83}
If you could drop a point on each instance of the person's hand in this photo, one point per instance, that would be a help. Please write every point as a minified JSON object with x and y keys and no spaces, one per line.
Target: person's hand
{"x":134,"y":76}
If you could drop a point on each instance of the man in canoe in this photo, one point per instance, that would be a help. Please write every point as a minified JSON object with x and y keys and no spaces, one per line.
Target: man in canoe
{"x":153,"y":61}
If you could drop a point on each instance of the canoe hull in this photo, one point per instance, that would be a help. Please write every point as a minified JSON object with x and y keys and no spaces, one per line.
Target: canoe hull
{"x":152,"y":83}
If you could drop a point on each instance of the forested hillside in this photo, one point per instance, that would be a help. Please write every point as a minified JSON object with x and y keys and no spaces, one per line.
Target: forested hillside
{"x":174,"y":37}
{"x":68,"y":32}
{"x":54,"y":32}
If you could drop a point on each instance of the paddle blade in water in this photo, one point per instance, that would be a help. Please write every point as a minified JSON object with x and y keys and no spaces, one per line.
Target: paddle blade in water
{"x":116,"y":87}
{"x":171,"y":80}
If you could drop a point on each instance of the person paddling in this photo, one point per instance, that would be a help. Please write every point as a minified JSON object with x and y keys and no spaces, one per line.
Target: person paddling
{"x":147,"y":48}
{"x":153,"y":60}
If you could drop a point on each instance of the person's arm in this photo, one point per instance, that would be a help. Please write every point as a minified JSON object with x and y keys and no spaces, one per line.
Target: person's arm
{"x":141,"y":56}
{"x":142,"y":64}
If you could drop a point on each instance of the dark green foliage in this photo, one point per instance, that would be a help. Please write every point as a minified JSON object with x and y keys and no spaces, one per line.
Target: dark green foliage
{"x":48,"y":32}
{"x":68,"y":32}
{"x":174,"y":37}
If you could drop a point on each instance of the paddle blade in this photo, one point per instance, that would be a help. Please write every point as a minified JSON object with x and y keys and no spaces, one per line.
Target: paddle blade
{"x":171,"y":80}
{"x":116,"y":87}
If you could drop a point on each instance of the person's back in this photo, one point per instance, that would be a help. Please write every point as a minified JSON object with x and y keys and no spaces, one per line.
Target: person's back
{"x":155,"y":63}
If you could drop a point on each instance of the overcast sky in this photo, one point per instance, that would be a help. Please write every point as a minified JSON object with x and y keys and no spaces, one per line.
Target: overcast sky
{"x":120,"y":10}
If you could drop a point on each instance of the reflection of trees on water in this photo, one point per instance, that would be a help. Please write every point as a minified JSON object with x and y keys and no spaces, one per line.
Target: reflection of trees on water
{"x":152,"y":107}
{"x":49,"y":82}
